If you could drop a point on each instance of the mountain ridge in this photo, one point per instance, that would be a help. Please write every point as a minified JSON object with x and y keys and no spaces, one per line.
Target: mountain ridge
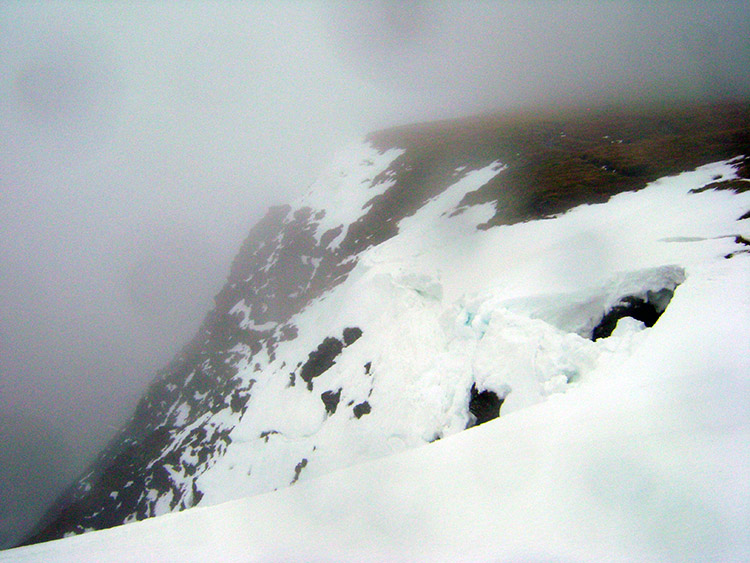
{"x":511,"y":174}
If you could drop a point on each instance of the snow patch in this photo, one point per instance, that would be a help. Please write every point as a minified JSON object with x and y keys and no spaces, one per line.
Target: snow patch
{"x":344,"y":188}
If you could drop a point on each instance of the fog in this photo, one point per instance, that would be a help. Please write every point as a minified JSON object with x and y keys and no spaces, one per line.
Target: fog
{"x":140,"y":141}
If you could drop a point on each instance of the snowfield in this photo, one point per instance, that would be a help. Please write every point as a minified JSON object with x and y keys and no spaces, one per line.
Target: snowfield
{"x":630,"y":447}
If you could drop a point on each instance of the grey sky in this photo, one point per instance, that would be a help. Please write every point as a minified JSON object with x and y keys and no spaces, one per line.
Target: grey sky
{"x":140,"y":141}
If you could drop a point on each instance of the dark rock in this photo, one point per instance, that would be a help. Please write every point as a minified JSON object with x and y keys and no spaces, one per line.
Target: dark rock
{"x":331,"y":400}
{"x":351,"y":335}
{"x":736,"y":185}
{"x":320,"y":360}
{"x":298,"y":469}
{"x":361,"y":409}
{"x":197,"y":495}
{"x":238,"y":402}
{"x":266,"y":433}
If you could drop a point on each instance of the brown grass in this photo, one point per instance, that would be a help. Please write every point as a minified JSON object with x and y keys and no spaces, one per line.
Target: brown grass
{"x":564,"y":157}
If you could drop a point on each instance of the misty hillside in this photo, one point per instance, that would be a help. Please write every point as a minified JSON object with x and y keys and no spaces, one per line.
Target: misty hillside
{"x":435,"y":277}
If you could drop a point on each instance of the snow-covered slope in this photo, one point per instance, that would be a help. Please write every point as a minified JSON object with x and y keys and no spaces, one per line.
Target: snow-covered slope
{"x":432,"y":314}
{"x":632,"y":448}
{"x":397,"y":304}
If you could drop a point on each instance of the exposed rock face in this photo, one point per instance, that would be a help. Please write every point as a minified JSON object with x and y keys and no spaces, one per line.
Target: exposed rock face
{"x":253,"y":355}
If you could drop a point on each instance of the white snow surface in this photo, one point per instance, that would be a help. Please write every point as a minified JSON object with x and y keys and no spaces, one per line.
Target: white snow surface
{"x":346,"y":186}
{"x":629,"y":448}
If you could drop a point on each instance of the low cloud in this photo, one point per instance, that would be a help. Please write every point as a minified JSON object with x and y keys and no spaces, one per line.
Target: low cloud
{"x":138,"y":144}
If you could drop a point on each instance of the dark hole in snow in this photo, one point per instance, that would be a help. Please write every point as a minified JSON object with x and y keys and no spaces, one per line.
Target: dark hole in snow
{"x":368,"y":366}
{"x":331,"y":400}
{"x":646,"y":310}
{"x":484,"y":405}
{"x":351,"y":335}
{"x":298,"y":469}
{"x":361,"y":409}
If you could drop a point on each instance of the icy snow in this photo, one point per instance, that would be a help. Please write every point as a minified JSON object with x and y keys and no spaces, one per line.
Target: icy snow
{"x":630,"y":448}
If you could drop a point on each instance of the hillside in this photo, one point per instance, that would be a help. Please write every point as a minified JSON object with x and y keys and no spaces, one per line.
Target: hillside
{"x":434,"y":278}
